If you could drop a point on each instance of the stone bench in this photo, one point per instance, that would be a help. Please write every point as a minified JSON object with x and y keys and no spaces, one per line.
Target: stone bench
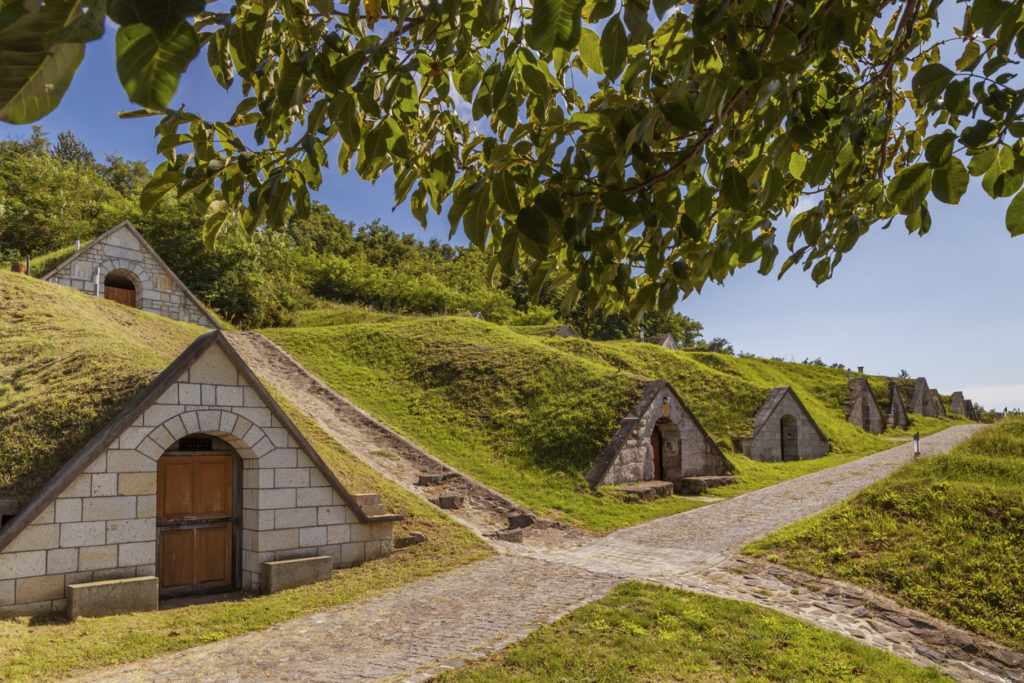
{"x":117,"y":596}
{"x":284,"y":574}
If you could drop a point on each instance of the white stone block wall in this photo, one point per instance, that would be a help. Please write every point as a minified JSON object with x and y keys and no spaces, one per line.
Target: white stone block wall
{"x":155,"y":291}
{"x":103,"y":525}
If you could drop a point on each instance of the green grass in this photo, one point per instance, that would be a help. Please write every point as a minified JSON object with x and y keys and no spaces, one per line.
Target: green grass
{"x":944,"y":535}
{"x":41,"y":265}
{"x":68,"y":364}
{"x":332,"y":313}
{"x":527,"y":414}
{"x":642,"y":632}
{"x":52,"y":647}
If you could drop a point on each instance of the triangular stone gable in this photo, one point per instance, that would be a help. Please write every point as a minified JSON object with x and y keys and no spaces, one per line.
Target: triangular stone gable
{"x":766,"y":442}
{"x":123,"y":251}
{"x":862,"y":407}
{"x":98,"y":513}
{"x":940,"y":410}
{"x":897,"y":418}
{"x":567,"y":331}
{"x":688,"y":449}
{"x":921,"y":403}
{"x":957,"y":405}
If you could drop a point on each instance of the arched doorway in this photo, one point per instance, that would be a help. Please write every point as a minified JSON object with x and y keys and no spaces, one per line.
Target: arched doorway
{"x":789,"y":438}
{"x":120,"y":286}
{"x":197,"y":503}
{"x":656,"y":447}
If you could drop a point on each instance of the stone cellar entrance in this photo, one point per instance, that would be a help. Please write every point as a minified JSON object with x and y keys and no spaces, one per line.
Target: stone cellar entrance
{"x":197,"y":503}
{"x":788,"y":428}
{"x":119,"y":286}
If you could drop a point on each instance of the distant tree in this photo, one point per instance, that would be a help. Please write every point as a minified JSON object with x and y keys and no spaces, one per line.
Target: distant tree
{"x":71,"y":149}
{"x":903,"y":374}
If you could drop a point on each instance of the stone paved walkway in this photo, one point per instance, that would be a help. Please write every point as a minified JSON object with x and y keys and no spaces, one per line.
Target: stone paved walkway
{"x":442,"y":621}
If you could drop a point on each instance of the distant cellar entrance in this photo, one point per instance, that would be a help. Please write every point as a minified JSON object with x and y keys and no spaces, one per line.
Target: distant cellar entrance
{"x":789,"y":438}
{"x":119,"y":287}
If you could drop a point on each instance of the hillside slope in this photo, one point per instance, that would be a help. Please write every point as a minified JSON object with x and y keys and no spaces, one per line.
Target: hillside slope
{"x":944,"y":534}
{"x":528,"y":414}
{"x":68,"y":364}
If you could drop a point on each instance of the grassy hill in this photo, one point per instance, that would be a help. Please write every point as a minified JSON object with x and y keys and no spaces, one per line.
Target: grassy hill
{"x":528,"y":414}
{"x":945,"y":535}
{"x":68,"y":364}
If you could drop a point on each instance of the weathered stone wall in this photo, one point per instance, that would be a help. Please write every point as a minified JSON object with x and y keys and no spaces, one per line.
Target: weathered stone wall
{"x":940,"y":410}
{"x":155,"y":290}
{"x":103,"y":526}
{"x":686,"y":451}
{"x":897,"y":417}
{"x":922,"y":403}
{"x":766,"y":444}
{"x":957,"y":405}
{"x":862,"y":409}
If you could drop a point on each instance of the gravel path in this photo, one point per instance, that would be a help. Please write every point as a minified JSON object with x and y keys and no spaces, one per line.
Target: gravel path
{"x":438,"y":623}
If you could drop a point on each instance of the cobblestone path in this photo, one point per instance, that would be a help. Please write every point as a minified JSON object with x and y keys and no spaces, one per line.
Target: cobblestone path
{"x":703,"y":537}
{"x":435,"y":623}
{"x":420,"y":629}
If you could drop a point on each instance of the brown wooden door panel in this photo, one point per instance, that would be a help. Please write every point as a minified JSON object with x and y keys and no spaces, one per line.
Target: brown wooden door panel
{"x":120,"y":295}
{"x":213,"y":485}
{"x":174,"y":487}
{"x":177,"y":557}
{"x":213,"y":555}
{"x":195,"y":521}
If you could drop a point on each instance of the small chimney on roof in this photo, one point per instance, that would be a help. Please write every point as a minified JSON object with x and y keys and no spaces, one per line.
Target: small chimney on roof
{"x":860,"y":369}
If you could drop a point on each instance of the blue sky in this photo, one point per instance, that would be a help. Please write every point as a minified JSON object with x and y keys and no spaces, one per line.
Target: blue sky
{"x":942,"y":306}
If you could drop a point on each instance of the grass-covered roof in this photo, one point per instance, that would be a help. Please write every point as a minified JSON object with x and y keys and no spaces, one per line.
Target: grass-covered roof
{"x":68,"y":364}
{"x":528,"y":414}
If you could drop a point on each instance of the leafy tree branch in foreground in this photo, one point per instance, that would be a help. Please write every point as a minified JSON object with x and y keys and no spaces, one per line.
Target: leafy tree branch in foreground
{"x":631,"y":150}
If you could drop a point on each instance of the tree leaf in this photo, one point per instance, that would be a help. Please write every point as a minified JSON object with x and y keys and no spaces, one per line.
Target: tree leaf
{"x":149,"y":66}
{"x":910,"y":186}
{"x":1015,"y":215}
{"x":555,"y":23}
{"x":505,"y":192}
{"x":590,"y":50}
{"x":34,"y":75}
{"x":938,"y":149}
{"x":613,"y":47}
{"x":949,"y":182}
{"x":163,"y":16}
{"x":930,"y":81}
{"x":734,"y":188}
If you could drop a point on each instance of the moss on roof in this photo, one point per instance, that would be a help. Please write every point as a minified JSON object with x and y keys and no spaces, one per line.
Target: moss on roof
{"x":68,"y":364}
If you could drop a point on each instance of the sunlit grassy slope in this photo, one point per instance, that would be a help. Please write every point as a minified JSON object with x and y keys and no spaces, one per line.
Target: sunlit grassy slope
{"x":528,"y":414}
{"x":945,"y":535}
{"x":68,"y":364}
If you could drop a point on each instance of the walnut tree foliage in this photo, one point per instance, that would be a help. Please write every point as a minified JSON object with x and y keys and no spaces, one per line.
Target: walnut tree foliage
{"x":632,"y":149}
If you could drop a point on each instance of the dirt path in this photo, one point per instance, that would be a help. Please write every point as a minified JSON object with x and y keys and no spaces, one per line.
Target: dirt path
{"x":438,"y":623}
{"x":396,"y":457}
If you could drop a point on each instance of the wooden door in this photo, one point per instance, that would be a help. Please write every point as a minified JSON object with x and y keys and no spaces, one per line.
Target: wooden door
{"x":195,"y":522}
{"x":789,"y":438}
{"x":120,"y":295}
{"x":656,"y":451}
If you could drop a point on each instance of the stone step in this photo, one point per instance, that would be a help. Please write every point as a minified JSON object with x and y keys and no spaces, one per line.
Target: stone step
{"x":697,"y":485}
{"x":647,"y":490}
{"x":370,"y":504}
